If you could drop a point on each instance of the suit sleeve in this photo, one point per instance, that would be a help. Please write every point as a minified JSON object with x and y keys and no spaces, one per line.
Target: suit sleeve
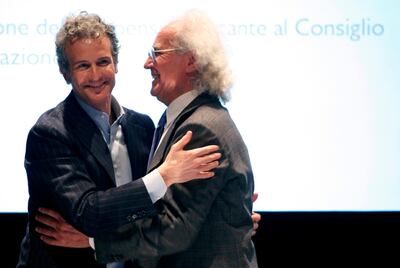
{"x":182,"y":211}
{"x":59,"y":179}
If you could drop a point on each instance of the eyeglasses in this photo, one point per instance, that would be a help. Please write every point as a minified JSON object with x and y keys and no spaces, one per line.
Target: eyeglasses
{"x":153,"y":53}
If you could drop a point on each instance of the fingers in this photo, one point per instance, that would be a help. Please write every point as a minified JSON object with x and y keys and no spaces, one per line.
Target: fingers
{"x":54,"y":230}
{"x":256,"y":219}
{"x":255,"y":226}
{"x":204,"y":175}
{"x":202,"y":168}
{"x":204,"y":150}
{"x":49,"y":240}
{"x":208,"y":166}
{"x":51,"y":213}
{"x":184,"y":165}
{"x":63,"y":239}
{"x":205,"y":160}
{"x":53,"y":220}
{"x":254,"y":197}
{"x":46,"y":220}
{"x":204,"y":171}
{"x":49,"y":232}
{"x":179,"y":145}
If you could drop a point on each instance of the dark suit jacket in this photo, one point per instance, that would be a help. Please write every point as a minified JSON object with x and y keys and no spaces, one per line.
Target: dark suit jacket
{"x":70,"y":170}
{"x":202,"y":223}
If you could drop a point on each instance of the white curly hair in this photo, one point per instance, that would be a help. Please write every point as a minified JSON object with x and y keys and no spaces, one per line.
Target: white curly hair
{"x":195,"y":32}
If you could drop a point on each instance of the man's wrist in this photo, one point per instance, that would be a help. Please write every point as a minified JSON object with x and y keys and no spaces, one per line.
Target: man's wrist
{"x":155,"y":185}
{"x":162,"y":170}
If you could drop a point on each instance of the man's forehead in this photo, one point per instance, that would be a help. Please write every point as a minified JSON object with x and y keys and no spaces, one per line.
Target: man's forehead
{"x":164,"y":37}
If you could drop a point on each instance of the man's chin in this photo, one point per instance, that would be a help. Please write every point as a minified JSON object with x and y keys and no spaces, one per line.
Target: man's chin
{"x":154,"y":92}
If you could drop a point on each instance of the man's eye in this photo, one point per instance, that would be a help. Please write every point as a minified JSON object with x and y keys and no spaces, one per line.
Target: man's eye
{"x":82,"y":66}
{"x":104,"y":62}
{"x":157,"y":53}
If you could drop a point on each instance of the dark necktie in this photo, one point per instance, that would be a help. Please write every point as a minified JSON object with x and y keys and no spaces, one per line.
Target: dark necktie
{"x":157,"y":136}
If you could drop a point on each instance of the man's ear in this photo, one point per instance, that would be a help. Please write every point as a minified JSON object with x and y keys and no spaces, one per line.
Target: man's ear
{"x":191,"y":66}
{"x":116,"y":67}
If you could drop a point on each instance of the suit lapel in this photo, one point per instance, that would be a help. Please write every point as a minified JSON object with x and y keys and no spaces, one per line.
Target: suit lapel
{"x":134,"y":147}
{"x":87,"y":133}
{"x":166,"y":143}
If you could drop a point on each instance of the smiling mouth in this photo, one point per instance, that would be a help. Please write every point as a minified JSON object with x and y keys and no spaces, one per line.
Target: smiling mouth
{"x":155,"y":75}
{"x":97,"y":85}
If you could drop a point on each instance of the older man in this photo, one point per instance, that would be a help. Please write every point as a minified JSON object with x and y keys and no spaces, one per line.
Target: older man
{"x":199,"y":223}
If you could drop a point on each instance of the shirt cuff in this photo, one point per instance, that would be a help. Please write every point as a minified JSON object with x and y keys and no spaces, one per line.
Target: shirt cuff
{"x":155,"y":185}
{"x":91,"y":242}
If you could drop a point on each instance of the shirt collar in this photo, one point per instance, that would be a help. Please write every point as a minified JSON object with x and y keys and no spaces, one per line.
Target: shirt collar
{"x":101,"y":119}
{"x":180,"y":103}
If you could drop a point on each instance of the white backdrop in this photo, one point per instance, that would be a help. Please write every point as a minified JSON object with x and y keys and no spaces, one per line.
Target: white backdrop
{"x":316,"y":94}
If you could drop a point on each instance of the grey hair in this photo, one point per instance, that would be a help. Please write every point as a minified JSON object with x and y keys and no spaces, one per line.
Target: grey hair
{"x":83,"y":26}
{"x":195,"y":32}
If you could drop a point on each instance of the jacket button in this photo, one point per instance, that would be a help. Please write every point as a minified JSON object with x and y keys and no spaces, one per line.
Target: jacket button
{"x":131,"y":217}
{"x":117,"y":257}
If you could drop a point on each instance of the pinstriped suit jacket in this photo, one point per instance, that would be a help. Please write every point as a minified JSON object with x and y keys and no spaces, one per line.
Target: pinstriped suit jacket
{"x":69,"y":169}
{"x":202,"y":223}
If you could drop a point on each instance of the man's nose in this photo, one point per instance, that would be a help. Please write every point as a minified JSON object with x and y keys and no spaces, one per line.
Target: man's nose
{"x":148,"y":63}
{"x":95,"y":73}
